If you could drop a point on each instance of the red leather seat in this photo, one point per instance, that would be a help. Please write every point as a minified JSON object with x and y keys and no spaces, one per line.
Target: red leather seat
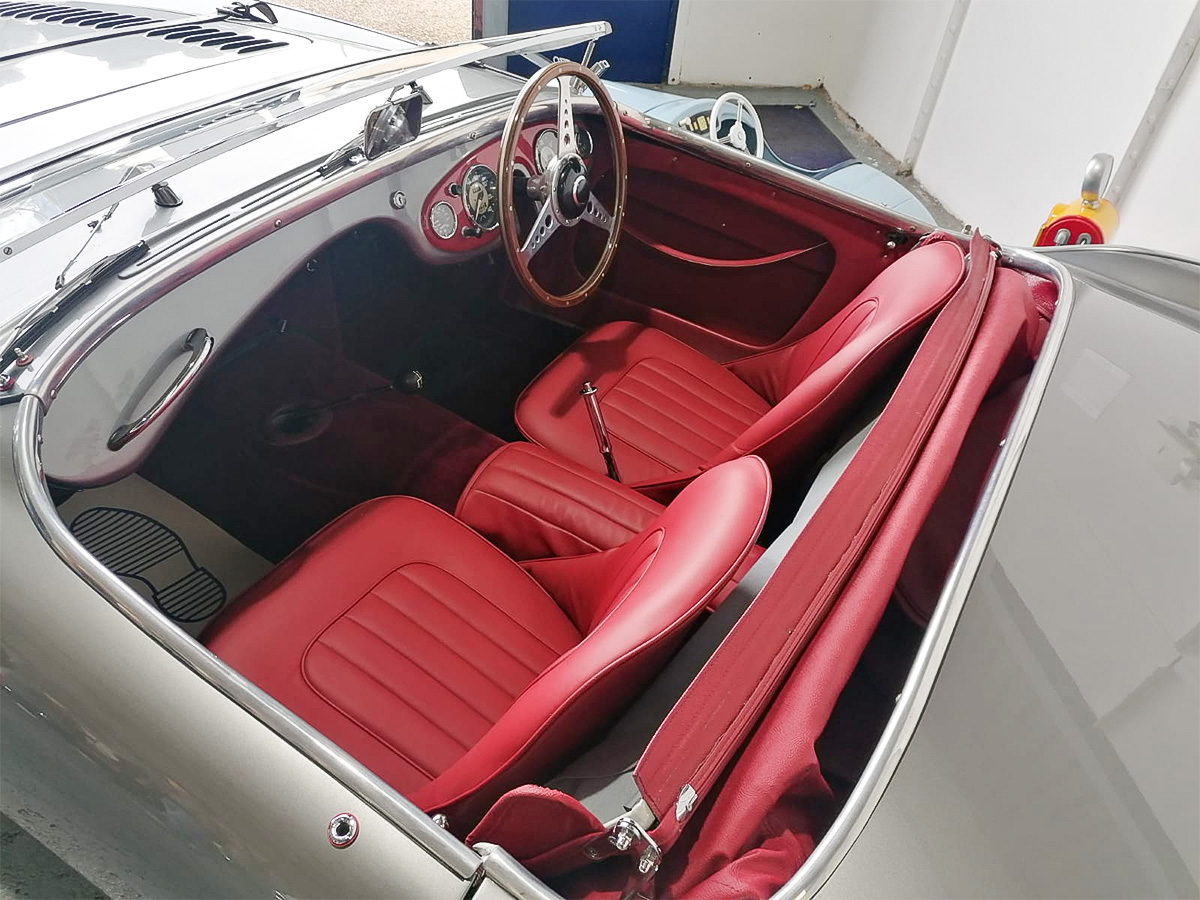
{"x":446,"y":668}
{"x":672,"y":412}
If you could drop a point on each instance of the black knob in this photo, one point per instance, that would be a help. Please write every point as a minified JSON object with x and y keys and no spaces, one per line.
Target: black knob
{"x":454,"y":189}
{"x":471,"y":231}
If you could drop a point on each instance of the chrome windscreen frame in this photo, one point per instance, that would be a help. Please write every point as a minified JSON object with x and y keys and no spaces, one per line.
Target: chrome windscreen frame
{"x":262,"y":111}
{"x":199,"y":248}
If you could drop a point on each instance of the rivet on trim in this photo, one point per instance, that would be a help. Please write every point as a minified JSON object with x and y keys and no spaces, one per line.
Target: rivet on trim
{"x":343,"y":830}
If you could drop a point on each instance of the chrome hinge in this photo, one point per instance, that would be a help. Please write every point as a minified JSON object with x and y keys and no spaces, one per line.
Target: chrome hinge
{"x":627,"y":836}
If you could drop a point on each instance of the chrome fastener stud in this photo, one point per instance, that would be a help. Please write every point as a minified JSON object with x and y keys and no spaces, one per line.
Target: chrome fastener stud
{"x":343,"y":830}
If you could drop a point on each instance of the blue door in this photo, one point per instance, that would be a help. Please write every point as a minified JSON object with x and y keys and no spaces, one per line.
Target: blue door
{"x":639,"y":47}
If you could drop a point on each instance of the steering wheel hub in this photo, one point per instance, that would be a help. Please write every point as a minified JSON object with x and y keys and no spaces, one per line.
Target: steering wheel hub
{"x":571,"y":188}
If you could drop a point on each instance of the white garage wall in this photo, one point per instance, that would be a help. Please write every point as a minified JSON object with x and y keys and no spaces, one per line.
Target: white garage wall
{"x":1160,"y":207}
{"x":1034,"y":89}
{"x":884,"y":78}
{"x":761,"y":42}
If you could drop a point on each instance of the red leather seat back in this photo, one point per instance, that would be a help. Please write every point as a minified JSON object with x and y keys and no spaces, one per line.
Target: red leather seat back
{"x":633,"y":604}
{"x":673,"y":412}
{"x":812,"y":382}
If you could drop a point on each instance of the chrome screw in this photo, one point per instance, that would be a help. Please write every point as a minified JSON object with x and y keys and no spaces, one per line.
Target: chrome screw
{"x":343,"y":829}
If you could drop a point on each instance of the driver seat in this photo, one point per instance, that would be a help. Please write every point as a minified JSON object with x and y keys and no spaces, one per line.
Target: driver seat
{"x":444,"y":667}
{"x":672,"y":412}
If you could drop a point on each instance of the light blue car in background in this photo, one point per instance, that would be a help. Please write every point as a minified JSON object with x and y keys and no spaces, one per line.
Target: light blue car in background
{"x":732,"y":119}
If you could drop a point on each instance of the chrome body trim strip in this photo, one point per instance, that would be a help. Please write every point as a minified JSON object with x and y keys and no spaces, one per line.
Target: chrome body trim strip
{"x":836,"y":843}
{"x":500,"y":866}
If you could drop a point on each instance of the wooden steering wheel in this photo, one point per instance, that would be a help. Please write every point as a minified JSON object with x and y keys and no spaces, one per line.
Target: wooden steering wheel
{"x":563,"y":192}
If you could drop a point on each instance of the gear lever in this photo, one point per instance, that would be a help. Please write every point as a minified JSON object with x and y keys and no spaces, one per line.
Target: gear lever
{"x":588,"y":392}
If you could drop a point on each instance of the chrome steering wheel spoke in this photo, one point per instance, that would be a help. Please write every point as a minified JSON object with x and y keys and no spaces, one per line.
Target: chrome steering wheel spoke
{"x":544,"y":226}
{"x":566,"y":116}
{"x":597,"y":214}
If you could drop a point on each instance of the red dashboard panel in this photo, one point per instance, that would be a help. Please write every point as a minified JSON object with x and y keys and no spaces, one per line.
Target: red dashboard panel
{"x":487,"y":155}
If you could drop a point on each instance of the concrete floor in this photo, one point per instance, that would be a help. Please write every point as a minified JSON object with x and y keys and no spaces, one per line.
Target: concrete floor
{"x":27,"y":869}
{"x":440,"y":21}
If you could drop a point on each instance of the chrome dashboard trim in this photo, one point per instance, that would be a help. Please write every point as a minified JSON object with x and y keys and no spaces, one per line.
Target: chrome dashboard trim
{"x":853,"y":817}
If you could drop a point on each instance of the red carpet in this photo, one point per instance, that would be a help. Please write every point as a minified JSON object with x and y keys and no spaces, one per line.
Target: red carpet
{"x":222,"y":458}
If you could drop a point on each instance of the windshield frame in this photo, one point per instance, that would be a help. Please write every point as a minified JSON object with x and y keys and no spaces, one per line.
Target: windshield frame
{"x":263,"y":110}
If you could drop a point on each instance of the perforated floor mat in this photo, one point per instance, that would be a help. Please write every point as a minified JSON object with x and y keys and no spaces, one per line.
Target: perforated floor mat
{"x":165,"y":550}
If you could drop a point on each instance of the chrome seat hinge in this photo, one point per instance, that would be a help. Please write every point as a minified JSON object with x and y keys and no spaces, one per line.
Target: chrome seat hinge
{"x":626,"y":836}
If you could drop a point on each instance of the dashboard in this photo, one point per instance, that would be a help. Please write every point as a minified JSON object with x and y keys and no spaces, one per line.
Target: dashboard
{"x":462,"y":212}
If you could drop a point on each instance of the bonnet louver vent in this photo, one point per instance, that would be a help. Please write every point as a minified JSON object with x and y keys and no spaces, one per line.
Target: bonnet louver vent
{"x":217,"y":38}
{"x":71,"y":15}
{"x":204,"y":35}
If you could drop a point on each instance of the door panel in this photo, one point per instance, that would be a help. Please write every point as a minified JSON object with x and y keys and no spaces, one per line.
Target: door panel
{"x":696,"y":206}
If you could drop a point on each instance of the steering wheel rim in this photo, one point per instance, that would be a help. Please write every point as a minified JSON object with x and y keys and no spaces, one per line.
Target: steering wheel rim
{"x":743,"y":106}
{"x":563,"y":192}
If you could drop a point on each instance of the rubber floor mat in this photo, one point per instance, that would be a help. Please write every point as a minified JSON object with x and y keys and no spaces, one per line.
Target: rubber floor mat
{"x":136,"y":546}
{"x":799,"y":137}
{"x":165,"y":550}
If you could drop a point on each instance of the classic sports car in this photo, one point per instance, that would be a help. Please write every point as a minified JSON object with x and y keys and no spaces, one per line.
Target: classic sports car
{"x":423,"y":481}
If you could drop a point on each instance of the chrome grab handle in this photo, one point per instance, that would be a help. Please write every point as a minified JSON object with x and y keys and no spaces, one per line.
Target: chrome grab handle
{"x":603,"y":444}
{"x":200,"y":344}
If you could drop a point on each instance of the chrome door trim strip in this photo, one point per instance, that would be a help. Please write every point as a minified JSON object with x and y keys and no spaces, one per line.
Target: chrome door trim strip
{"x":853,"y":817}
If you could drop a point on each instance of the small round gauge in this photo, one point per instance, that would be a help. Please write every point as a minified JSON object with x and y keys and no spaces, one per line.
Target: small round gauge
{"x":443,"y":220}
{"x":583,"y":142}
{"x":545,"y":148}
{"x":480,"y":197}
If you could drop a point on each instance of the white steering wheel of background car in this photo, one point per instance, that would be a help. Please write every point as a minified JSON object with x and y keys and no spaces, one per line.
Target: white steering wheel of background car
{"x":737,"y":132}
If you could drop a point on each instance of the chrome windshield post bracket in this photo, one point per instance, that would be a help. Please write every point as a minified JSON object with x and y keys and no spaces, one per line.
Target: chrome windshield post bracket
{"x":626,"y":835}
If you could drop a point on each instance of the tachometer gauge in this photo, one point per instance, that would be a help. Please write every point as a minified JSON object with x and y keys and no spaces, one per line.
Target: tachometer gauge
{"x":443,"y":220}
{"x":583,"y":142}
{"x":480,"y":197}
{"x":545,"y":148}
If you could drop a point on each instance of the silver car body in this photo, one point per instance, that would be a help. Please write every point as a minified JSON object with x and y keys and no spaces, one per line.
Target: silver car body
{"x":1043,"y":743}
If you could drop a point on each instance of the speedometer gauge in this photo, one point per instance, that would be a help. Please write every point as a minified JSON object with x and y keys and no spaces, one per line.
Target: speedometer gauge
{"x":480,"y":197}
{"x":545,"y":148}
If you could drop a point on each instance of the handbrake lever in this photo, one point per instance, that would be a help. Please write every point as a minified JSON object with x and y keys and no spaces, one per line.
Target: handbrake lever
{"x":588,"y":392}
